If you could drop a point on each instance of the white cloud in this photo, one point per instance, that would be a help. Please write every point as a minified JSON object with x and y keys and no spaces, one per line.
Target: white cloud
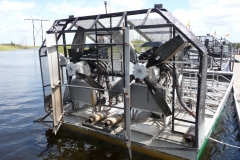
{"x":15,"y":6}
{"x":12,"y":14}
{"x":124,"y":5}
{"x":64,"y":9}
{"x":208,"y":16}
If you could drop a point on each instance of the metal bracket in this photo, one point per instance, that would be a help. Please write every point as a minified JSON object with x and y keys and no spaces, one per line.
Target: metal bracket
{"x":44,"y":117}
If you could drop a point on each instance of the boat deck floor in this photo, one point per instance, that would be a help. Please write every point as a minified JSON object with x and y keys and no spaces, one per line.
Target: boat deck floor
{"x":145,"y":128}
{"x":150,"y":129}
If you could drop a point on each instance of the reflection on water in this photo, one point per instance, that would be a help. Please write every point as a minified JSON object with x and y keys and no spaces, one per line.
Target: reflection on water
{"x":21,"y":102}
{"x":227,"y":131}
{"x":69,"y":144}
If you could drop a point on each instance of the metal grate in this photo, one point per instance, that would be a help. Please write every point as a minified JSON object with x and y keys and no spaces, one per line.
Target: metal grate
{"x":117,"y":62}
{"x":45,"y":80}
{"x":45,"y":71}
{"x":47,"y":91}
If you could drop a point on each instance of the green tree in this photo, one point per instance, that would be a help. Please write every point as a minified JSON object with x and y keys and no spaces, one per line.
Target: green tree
{"x":137,"y":43}
{"x":237,"y":47}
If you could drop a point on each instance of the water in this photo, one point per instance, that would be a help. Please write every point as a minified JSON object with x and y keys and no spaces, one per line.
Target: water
{"x":21,"y":102}
{"x":227,"y":131}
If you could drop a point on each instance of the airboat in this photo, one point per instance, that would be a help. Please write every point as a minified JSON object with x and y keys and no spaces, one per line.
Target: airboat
{"x":160,"y":100}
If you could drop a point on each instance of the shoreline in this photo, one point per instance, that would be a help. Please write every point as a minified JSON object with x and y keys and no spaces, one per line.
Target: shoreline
{"x":10,"y":47}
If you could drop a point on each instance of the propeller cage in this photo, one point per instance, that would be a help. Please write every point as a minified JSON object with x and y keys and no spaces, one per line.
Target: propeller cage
{"x":98,"y":70}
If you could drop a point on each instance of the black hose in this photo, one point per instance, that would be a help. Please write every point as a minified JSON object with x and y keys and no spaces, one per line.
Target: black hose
{"x":236,"y":61}
{"x":178,"y":91}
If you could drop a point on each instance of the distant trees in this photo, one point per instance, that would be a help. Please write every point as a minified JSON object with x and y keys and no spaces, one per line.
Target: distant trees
{"x":237,"y":47}
{"x":137,"y":43}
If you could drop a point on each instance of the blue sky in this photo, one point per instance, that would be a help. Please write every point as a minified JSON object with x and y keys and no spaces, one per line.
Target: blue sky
{"x":206,"y":16}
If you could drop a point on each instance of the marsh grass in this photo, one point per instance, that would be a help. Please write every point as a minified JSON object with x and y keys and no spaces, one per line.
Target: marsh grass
{"x":12,"y":46}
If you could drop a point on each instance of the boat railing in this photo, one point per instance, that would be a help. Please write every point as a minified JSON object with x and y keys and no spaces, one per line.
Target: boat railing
{"x":193,"y":79}
{"x":216,"y":84}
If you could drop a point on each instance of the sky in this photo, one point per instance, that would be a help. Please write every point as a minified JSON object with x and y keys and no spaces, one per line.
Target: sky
{"x":205,"y":16}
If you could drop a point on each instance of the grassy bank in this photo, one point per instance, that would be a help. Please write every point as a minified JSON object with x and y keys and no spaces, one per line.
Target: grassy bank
{"x":61,"y":50}
{"x":8,"y":47}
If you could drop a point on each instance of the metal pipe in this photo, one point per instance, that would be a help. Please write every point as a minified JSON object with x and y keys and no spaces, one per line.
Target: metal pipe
{"x":97,"y":116}
{"x":189,"y":136}
{"x":33,"y":32}
{"x":173,"y":34}
{"x":105,"y":2}
{"x":113,"y":120}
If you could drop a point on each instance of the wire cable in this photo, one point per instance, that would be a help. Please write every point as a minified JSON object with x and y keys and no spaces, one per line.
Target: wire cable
{"x":84,"y":4}
{"x":223,"y":143}
{"x":65,"y":4}
{"x":59,"y":8}
{"x":42,"y":7}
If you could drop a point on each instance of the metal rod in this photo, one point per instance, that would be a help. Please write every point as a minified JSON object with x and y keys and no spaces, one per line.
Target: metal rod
{"x":140,"y":32}
{"x":66,"y":85}
{"x":110,"y":74}
{"x":112,"y":106}
{"x":101,"y":59}
{"x":94,"y":23}
{"x":41,"y":119}
{"x":33,"y":33}
{"x":146,"y":16}
{"x":176,"y":62}
{"x":105,"y":2}
{"x":104,"y":26}
{"x":221,"y":59}
{"x":41,"y":69}
{"x":183,"y":120}
{"x":64,"y":43}
{"x":96,"y":44}
{"x":86,"y":30}
{"x":111,"y":37}
{"x":127,"y":109}
{"x":173,"y":86}
{"x":73,"y":23}
{"x":154,"y":26}
{"x":42,"y":30}
{"x":157,"y":32}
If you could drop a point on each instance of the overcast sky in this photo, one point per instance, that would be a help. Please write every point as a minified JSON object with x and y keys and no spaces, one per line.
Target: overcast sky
{"x":206,"y":16}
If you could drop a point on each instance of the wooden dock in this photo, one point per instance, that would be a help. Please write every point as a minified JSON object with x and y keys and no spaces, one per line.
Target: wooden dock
{"x":236,"y":87}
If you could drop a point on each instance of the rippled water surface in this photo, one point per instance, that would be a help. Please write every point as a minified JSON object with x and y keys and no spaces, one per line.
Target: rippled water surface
{"x":226,"y":131}
{"x":21,"y":102}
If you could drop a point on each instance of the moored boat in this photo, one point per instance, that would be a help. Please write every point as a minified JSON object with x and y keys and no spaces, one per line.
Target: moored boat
{"x":155,"y":101}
